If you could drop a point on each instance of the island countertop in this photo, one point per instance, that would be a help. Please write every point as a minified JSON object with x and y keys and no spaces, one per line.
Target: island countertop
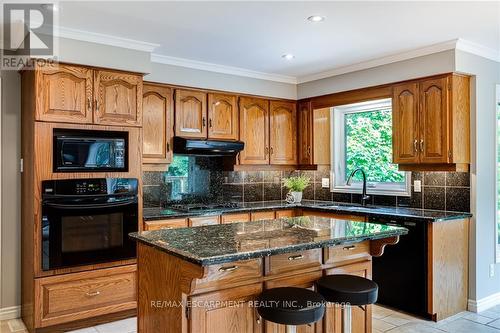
{"x":215,"y":244}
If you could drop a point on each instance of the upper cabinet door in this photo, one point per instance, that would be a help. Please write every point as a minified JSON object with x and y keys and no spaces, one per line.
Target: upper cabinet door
{"x":434,"y":141}
{"x":222,"y":117}
{"x":190,"y":114}
{"x":254,"y":130}
{"x":405,"y":128}
{"x":305,"y":133}
{"x":157,"y":124}
{"x":118,"y":98}
{"x":283,"y":133}
{"x":64,"y":94}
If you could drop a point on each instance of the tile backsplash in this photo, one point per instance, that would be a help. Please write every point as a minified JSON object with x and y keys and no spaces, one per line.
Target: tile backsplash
{"x":440,"y":190}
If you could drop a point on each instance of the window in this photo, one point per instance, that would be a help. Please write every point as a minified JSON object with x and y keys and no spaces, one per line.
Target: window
{"x":363,"y":139}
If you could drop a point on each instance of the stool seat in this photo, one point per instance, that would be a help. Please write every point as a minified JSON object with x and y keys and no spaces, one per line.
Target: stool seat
{"x":350,"y":289}
{"x":291,"y":306}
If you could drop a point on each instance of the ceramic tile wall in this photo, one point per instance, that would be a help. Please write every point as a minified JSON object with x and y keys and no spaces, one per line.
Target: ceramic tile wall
{"x":440,"y":190}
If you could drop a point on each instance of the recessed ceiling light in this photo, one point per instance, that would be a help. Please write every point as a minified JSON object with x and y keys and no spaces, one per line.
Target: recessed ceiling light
{"x":316,"y":18}
{"x":288,"y":56}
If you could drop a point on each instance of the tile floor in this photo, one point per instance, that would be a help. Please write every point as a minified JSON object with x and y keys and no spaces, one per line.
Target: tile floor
{"x":384,"y":320}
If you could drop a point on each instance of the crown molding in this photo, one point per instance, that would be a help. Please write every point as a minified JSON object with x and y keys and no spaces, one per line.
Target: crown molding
{"x":207,"y":66}
{"x":478,"y":49}
{"x":435,"y":48}
{"x":98,"y":38}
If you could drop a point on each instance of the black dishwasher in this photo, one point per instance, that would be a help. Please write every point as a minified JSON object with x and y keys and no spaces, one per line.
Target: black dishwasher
{"x":401,"y":272}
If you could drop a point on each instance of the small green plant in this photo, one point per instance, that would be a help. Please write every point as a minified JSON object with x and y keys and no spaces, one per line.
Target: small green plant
{"x":296,"y":184}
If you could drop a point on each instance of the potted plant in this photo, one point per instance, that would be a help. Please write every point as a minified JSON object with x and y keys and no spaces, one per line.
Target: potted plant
{"x":295,"y":186}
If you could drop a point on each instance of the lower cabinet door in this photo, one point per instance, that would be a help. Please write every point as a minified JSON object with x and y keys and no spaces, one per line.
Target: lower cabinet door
{"x":361,"y":319}
{"x":226,"y":311}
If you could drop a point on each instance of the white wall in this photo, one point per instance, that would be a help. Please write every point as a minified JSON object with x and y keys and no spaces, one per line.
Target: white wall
{"x":483,"y":198}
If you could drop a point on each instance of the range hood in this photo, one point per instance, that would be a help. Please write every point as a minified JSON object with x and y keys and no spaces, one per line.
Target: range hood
{"x":207,"y":147}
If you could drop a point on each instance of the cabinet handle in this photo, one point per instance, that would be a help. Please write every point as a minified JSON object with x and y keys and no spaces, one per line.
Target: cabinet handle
{"x":309,"y":151}
{"x":349,"y":247}
{"x":228,"y":269}
{"x":422,"y":145}
{"x":96,"y":106}
{"x":89,"y":104}
{"x":296,"y":257}
{"x":271,"y":150}
{"x":266,"y":151}
{"x":258,"y":320}
{"x":93,"y":294}
{"x":168,"y":147}
{"x":204,"y":121}
{"x":415,"y":145}
{"x":210,"y":122}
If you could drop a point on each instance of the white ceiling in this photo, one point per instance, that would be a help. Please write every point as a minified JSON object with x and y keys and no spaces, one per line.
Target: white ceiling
{"x":254,"y":35}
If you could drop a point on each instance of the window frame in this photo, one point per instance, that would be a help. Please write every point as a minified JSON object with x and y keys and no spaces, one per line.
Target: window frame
{"x":337,"y":172}
{"x":497,"y":165}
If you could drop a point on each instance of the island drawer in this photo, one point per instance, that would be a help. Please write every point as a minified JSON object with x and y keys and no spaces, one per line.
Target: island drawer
{"x":70,"y":297}
{"x":346,"y":253}
{"x":288,"y":262}
{"x":235,"y":218}
{"x":165,"y":224}
{"x":221,"y":275}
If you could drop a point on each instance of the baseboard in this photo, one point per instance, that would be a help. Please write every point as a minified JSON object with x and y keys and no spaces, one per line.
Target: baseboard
{"x":11,"y":312}
{"x":484,"y":303}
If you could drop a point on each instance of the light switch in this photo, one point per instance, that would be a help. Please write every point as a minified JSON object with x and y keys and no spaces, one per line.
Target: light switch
{"x":417,"y":184}
{"x":325,"y":182}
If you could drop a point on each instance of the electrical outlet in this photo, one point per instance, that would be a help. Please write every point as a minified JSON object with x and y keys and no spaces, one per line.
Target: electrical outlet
{"x":417,"y":184}
{"x":492,"y":270}
{"x":325,"y":182}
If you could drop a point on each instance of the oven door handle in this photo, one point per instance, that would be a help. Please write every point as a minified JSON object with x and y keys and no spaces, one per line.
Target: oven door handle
{"x":90,"y":206}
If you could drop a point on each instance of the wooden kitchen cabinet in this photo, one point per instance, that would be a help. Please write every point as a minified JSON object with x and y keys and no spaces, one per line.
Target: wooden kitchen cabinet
{"x":267,"y":215}
{"x":165,"y":224}
{"x":224,"y":318}
{"x":118,"y":98}
{"x":431,"y":124}
{"x":64,"y":94}
{"x":321,"y":136}
{"x":283,"y":133}
{"x":254,"y":130}
{"x":405,"y":126}
{"x":222,"y":117}
{"x":157,"y":126}
{"x":191,"y":114}
{"x":361,"y":318}
{"x":305,"y":133}
{"x":235,"y":218}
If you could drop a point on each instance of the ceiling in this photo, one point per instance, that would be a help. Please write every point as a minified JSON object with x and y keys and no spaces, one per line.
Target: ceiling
{"x":254,"y":35}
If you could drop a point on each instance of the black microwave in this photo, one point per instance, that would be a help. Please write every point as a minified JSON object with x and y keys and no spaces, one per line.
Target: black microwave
{"x":90,"y":151}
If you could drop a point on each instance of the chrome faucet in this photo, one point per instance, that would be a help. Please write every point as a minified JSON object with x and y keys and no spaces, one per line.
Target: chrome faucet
{"x":364,"y":196}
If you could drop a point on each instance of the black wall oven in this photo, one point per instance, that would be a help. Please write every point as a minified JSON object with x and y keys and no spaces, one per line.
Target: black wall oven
{"x":84,"y":151}
{"x":87,"y":221}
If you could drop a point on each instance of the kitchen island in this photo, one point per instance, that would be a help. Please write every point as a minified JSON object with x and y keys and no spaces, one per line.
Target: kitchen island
{"x":204,"y":279}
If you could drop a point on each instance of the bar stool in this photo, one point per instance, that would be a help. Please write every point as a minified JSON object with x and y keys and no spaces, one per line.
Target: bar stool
{"x":291,"y":306}
{"x":348,"y":290}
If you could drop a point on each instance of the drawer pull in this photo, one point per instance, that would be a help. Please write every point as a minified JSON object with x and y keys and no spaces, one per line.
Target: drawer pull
{"x":93,"y":294}
{"x":296,"y":257}
{"x":349,"y":247}
{"x":228,"y":269}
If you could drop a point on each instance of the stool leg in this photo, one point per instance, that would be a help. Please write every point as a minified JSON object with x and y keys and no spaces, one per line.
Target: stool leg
{"x":346,"y":320}
{"x":291,"y":329}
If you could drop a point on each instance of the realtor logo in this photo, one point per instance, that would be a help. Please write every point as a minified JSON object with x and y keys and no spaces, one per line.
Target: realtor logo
{"x":28,"y":31}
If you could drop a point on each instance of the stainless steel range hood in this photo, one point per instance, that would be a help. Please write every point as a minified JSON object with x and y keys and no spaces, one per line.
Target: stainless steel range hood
{"x":184,"y":146}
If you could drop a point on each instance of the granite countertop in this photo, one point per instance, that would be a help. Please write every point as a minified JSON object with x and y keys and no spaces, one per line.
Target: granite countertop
{"x":215,"y":244}
{"x":324,"y":206}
